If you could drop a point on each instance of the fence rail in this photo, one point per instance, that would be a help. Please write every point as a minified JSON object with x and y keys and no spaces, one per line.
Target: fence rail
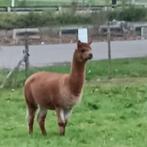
{"x":44,"y":8}
{"x":55,"y":7}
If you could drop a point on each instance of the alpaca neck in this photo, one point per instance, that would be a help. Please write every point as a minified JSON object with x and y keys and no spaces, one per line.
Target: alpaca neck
{"x":77,"y":77}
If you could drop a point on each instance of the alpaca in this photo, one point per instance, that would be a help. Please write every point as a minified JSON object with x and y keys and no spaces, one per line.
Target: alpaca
{"x":56,"y":91}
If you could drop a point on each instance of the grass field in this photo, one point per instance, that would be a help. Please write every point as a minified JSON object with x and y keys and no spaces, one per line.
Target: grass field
{"x":113,"y":113}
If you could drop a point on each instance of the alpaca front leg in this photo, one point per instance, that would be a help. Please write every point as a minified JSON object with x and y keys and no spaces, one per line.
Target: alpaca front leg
{"x":67,"y":113}
{"x":63,"y":116}
{"x":61,"y":121}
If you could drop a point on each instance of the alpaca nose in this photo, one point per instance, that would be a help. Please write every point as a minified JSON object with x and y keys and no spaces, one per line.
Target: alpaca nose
{"x":90,"y":56}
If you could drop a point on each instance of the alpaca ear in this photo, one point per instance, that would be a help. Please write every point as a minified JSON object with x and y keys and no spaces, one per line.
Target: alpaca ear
{"x":79,"y":43}
{"x":90,"y":42}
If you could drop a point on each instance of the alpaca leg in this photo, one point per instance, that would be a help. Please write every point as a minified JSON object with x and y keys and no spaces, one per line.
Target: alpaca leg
{"x":41,"y":120}
{"x":62,"y":120}
{"x":67,"y":113}
{"x":31,"y":115}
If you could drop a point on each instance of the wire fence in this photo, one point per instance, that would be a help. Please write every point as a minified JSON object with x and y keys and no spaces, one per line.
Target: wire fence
{"x":23,"y":3}
{"x":69,"y":35}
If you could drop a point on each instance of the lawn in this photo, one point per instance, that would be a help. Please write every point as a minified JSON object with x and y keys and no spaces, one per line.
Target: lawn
{"x":113,"y":112}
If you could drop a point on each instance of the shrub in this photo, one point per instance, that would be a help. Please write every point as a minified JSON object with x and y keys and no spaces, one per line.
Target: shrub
{"x":32,"y":19}
{"x":10,"y":21}
{"x":7,"y":21}
{"x":131,"y":13}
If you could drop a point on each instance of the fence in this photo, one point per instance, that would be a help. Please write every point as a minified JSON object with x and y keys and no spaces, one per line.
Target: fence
{"x":38,"y":41}
{"x":68,"y":34}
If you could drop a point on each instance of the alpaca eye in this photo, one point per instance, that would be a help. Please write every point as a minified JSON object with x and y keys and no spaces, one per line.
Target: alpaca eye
{"x":82,"y":50}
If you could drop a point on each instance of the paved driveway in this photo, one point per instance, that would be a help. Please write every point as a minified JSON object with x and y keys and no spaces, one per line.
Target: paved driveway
{"x":41,"y":55}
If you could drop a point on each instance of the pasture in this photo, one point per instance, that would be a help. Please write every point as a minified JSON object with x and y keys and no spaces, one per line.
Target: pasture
{"x":112,"y":113}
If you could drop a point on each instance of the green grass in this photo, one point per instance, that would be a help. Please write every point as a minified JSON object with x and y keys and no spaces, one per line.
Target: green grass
{"x":112,"y":113}
{"x":96,"y":70}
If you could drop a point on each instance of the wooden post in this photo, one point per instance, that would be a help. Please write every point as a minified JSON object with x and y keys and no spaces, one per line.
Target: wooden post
{"x":109,"y":50}
{"x":26,"y":54}
{"x":60,"y":35}
{"x":24,"y":59}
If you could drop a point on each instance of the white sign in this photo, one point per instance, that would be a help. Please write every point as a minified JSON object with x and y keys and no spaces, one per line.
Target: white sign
{"x":12,"y":3}
{"x":83,"y":35}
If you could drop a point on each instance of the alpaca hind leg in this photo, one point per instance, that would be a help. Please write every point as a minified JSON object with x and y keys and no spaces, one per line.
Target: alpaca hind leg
{"x":31,"y":115}
{"x":41,"y":119}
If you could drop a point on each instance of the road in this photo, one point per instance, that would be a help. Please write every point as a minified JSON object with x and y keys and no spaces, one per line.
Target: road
{"x":41,"y":55}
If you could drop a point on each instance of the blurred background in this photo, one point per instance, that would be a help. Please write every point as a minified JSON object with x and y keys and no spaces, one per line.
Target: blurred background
{"x":58,"y":21}
{"x":45,"y":32}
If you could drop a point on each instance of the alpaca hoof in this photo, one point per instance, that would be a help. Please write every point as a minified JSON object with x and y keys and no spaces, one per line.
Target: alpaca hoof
{"x":30,"y":132}
{"x":44,"y":133}
{"x":62,"y":133}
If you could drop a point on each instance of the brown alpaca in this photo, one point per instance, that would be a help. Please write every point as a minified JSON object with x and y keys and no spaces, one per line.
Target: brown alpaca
{"x":55,"y":91}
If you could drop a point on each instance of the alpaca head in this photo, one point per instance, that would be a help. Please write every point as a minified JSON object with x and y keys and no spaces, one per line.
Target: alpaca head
{"x":83,"y":52}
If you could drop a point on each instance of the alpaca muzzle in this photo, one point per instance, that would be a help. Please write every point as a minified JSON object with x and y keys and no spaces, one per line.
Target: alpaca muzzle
{"x":90,"y":56}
